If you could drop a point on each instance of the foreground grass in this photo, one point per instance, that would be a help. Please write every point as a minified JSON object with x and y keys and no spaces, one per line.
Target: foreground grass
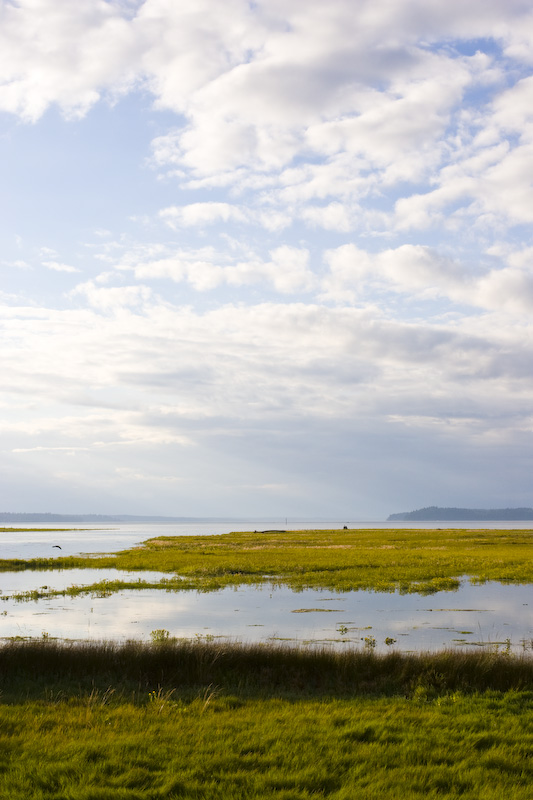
{"x":182,"y":720}
{"x":422,"y":561}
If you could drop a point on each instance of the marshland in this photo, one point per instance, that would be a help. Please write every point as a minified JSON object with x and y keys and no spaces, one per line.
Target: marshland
{"x":210,"y":716}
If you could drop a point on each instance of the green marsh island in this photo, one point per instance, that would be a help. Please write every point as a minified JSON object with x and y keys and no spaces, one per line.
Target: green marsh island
{"x":173,"y":718}
{"x":421,"y":561}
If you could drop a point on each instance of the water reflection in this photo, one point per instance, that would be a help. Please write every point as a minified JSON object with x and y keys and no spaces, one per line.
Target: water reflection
{"x":487,"y":614}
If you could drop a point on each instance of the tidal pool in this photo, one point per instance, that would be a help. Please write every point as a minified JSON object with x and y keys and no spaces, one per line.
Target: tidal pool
{"x":490,"y":614}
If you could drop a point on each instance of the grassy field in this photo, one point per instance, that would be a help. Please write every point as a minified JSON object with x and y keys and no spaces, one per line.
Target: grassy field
{"x":176,"y":719}
{"x":197,"y":720}
{"x":421,"y":561}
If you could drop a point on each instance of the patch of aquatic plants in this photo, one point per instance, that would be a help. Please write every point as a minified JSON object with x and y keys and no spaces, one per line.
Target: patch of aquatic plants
{"x":40,"y":530}
{"x":170,"y":719}
{"x":422,"y":561}
{"x":104,"y":588}
{"x":61,"y":563}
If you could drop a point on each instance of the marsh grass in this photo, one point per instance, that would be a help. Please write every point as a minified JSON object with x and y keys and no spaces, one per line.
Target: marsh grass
{"x":104,"y":588}
{"x":203,"y":719}
{"x":174,"y":719}
{"x":422,"y":561}
{"x":253,"y":669}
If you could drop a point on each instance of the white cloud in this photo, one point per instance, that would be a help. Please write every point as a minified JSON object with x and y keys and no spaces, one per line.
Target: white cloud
{"x":57,"y":52}
{"x":509,"y":289}
{"x":201,"y":214}
{"x":18,"y":264}
{"x":366,"y":165}
{"x":264,"y":359}
{"x":260,"y":86}
{"x":333,"y":217}
{"x":420,"y":271}
{"x":512,"y":109}
{"x":112,"y":430}
{"x":287,"y":271}
{"x":251,"y":387}
{"x":56,"y":266}
{"x":284,"y":61}
{"x":520,"y":258}
{"x":112,"y":299}
{"x":507,"y":187}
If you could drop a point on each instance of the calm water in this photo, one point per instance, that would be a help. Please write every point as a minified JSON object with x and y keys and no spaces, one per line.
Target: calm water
{"x":471,"y":616}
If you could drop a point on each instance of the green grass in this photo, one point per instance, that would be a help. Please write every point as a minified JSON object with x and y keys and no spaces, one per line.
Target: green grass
{"x":369,"y":748}
{"x":177,"y":719}
{"x":181,"y":720}
{"x":423,"y":561}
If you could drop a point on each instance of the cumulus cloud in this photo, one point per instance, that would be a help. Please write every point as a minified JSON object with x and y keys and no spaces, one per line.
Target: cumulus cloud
{"x":287,"y":271}
{"x":62,"y":53}
{"x":334,"y":216}
{"x":258,"y":88}
{"x":419,"y":270}
{"x":341,"y":251}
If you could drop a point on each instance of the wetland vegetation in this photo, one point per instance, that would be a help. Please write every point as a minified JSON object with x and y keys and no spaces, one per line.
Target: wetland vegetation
{"x":201,"y":719}
{"x":204,"y":720}
{"x":423,"y":561}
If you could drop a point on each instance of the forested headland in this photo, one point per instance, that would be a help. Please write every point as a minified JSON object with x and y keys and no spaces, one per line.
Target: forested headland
{"x":434,"y":514}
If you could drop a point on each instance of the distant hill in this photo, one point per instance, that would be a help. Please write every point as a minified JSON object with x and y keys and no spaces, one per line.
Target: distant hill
{"x":435,"y":514}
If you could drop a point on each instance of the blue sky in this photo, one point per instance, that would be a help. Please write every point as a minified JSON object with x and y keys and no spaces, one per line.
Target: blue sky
{"x":265,"y":258}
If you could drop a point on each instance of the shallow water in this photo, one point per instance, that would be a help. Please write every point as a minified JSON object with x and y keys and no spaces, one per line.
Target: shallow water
{"x":471,"y":616}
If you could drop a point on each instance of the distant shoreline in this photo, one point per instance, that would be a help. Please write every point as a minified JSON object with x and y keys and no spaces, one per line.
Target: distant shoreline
{"x":430,"y":514}
{"x":106,"y":518}
{"x":46,"y":517}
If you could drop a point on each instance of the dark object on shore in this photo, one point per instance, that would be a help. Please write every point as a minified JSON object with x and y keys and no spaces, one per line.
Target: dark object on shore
{"x":270,"y":531}
{"x":433,"y":513}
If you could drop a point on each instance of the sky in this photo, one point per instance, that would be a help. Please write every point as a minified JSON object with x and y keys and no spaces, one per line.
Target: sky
{"x":266,"y":258}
